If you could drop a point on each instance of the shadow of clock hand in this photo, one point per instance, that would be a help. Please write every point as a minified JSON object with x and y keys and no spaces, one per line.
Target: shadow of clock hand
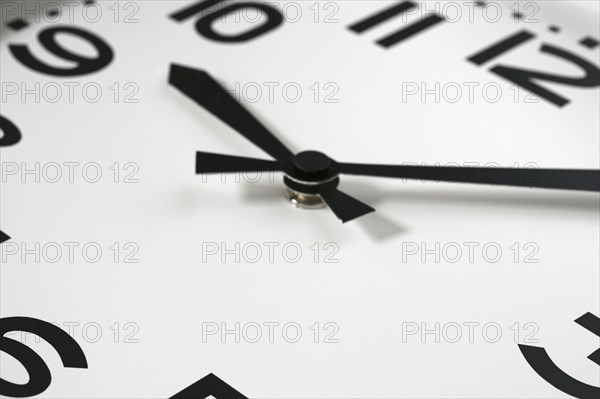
{"x":377,"y":226}
{"x":434,"y":195}
{"x":200,"y":87}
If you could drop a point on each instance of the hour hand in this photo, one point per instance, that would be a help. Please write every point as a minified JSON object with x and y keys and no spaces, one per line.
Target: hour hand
{"x":199,"y":86}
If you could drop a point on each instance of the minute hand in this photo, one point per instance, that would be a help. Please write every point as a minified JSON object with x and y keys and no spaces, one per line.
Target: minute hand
{"x":565,"y":179}
{"x":199,"y":86}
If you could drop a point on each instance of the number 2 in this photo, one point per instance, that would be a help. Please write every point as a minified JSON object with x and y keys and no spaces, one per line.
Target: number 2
{"x":84,"y":65}
{"x":527,"y":78}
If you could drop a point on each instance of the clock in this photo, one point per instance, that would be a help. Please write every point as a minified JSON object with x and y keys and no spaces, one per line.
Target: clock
{"x":297,"y":199}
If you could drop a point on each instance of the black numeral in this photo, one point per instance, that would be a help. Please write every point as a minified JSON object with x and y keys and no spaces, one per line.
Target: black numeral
{"x":10,"y":132}
{"x":84,"y":65}
{"x":3,"y":237}
{"x":209,"y":386}
{"x":204,"y":25}
{"x":68,"y":349}
{"x":401,"y":34}
{"x":527,"y":78}
{"x":501,"y":47}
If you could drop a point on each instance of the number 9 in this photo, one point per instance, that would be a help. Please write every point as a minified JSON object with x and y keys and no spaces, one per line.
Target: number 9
{"x":84,"y":65}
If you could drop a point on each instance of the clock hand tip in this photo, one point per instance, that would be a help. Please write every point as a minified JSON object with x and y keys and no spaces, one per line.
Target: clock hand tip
{"x":178,"y":74}
{"x":179,"y":70}
{"x":344,"y":206}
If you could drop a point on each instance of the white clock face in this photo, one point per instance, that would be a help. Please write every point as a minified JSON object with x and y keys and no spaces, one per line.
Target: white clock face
{"x":157,"y":274}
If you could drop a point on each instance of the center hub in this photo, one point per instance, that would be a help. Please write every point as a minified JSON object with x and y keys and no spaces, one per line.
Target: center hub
{"x":312,"y":167}
{"x":308,"y":172}
{"x":312,"y":162}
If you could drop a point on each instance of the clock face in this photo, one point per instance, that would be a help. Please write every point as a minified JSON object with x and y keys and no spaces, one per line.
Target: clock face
{"x":175,"y":175}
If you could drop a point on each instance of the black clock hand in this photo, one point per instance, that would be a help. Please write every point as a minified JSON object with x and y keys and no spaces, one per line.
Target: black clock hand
{"x":207,"y":162}
{"x":345,"y":207}
{"x":314,"y":173}
{"x":566,"y":179}
{"x":204,"y":90}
